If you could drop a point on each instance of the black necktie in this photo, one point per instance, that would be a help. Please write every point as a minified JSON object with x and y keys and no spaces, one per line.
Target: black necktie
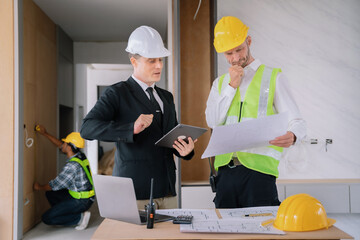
{"x":158,"y":113}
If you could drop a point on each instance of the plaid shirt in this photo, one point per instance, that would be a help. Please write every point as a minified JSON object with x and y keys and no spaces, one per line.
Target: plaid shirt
{"x":72,"y":177}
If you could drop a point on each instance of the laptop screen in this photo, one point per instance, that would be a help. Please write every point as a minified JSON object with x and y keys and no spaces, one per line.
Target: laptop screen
{"x":117,"y":200}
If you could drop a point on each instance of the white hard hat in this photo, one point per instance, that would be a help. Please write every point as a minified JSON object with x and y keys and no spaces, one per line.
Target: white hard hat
{"x":146,"y":42}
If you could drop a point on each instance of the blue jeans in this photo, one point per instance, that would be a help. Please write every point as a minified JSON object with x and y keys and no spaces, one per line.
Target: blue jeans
{"x":65,"y":210}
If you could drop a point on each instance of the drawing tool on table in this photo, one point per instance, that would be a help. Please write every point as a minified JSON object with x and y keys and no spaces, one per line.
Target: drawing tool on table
{"x":258,"y":215}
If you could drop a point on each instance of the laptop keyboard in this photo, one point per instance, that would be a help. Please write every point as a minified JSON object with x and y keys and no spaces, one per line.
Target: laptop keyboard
{"x":143,"y":216}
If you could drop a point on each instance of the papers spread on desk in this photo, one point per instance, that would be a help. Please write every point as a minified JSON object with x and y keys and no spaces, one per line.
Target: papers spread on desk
{"x":258,"y":213}
{"x":246,"y":135}
{"x":229,"y":226}
{"x":237,"y":220}
{"x":199,"y":214}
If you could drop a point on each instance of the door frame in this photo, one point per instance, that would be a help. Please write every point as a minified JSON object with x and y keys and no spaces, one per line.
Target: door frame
{"x":101,"y":75}
{"x":17,"y":230}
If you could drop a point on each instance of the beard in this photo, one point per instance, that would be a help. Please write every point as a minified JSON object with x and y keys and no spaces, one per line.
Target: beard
{"x":243,"y":62}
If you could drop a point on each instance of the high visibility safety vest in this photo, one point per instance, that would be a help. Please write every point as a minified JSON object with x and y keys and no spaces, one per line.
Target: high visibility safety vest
{"x":258,"y":102}
{"x":86,"y":166}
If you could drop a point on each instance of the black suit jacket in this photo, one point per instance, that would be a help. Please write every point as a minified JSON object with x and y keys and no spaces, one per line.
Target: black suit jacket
{"x":112,"y":119}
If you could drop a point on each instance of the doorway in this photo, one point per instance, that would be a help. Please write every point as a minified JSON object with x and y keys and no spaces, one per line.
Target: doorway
{"x":99,"y":76}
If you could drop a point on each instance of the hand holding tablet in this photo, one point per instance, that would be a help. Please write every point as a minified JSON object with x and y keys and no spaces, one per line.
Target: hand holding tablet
{"x":181,"y":131}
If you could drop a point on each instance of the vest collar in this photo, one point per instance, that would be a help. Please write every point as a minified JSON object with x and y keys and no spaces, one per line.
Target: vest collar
{"x":75,"y":155}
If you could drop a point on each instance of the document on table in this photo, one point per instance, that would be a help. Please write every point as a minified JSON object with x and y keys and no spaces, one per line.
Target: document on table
{"x":199,"y":214}
{"x":246,"y":135}
{"x":233,"y":220}
{"x":257,"y":213}
{"x":229,"y":226}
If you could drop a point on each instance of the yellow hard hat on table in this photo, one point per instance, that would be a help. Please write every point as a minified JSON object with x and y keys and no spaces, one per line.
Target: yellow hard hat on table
{"x":229,"y":33}
{"x":75,"y":139}
{"x":302,"y":212}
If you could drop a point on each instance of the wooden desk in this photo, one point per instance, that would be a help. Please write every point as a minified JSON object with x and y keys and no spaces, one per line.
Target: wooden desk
{"x":112,"y":229}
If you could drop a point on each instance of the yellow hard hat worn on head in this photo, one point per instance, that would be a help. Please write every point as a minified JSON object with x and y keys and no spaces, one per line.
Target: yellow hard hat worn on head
{"x":75,"y":139}
{"x":229,"y":33}
{"x":302,"y":212}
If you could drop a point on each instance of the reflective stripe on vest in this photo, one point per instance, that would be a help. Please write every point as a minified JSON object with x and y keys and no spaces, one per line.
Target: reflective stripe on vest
{"x":83,"y":194}
{"x":258,"y":102}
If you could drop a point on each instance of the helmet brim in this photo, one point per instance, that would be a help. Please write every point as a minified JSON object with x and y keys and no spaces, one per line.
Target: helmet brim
{"x":159,"y":54}
{"x":331,"y":222}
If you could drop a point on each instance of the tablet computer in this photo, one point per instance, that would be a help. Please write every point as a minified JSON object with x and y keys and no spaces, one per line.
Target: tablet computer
{"x":180,"y":131}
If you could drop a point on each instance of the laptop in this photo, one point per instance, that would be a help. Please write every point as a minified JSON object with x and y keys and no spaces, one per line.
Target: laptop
{"x":180,"y":131}
{"x":117,"y":200}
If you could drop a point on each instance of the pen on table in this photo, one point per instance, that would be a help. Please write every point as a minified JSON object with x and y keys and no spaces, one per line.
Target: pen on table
{"x":267,"y":222}
{"x":258,"y":215}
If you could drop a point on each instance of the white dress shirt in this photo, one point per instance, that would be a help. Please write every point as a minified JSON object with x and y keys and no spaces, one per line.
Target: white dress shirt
{"x":144,"y":86}
{"x":218,"y":105}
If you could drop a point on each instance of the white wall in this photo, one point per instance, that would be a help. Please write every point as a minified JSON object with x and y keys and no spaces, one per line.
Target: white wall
{"x":317,"y":46}
{"x":86,"y":53}
{"x":337,"y":197}
{"x":80,"y":85}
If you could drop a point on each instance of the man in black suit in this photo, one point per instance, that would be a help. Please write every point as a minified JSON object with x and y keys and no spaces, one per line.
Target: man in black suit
{"x":135,"y":114}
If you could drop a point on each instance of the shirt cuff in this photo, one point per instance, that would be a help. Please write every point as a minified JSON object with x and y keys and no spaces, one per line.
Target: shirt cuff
{"x":229,"y":91}
{"x":53,"y":186}
{"x":298,"y":134}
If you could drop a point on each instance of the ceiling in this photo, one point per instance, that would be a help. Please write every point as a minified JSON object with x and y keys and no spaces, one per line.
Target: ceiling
{"x":105,"y":20}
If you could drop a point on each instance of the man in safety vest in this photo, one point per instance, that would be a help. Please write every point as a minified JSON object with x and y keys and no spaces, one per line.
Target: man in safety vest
{"x":71,"y":193}
{"x":248,"y":91}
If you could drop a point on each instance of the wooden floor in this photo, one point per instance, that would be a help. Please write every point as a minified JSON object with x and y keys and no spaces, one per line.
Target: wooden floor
{"x":349,"y":223}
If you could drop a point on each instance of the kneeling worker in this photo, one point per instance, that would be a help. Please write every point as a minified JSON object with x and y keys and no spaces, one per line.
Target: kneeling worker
{"x":71,"y":193}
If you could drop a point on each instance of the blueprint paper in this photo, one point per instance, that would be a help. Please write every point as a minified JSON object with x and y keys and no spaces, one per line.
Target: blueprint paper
{"x":229,"y":226}
{"x":246,"y":135}
{"x":249,"y":213}
{"x":233,"y":220}
{"x":198,"y":214}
